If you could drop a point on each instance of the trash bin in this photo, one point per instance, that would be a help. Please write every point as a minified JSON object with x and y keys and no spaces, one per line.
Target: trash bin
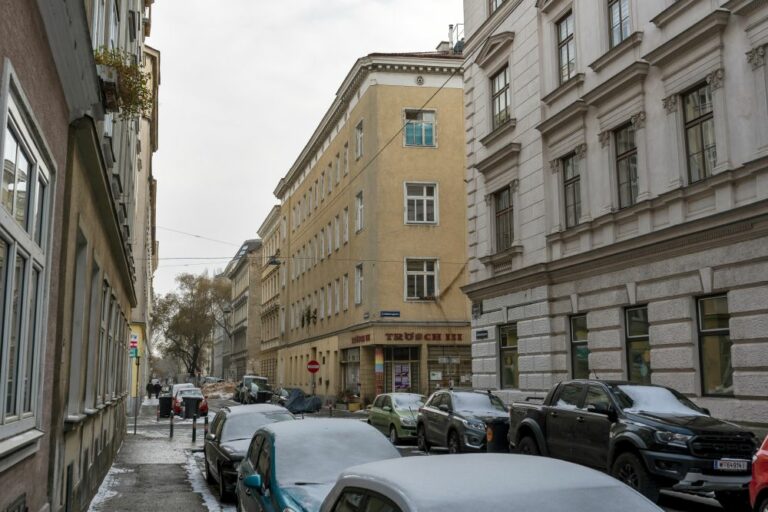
{"x":496,"y":436}
{"x":166,"y":403}
{"x":191,"y":403}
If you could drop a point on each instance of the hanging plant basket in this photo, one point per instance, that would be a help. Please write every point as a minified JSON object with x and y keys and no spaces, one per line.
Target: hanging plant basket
{"x":130,"y":93}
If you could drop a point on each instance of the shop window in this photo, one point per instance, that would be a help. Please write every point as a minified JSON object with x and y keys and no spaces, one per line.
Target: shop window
{"x":579,"y":348}
{"x":638,"y":345}
{"x":715,"y":346}
{"x":508,"y":354}
{"x":350,"y":364}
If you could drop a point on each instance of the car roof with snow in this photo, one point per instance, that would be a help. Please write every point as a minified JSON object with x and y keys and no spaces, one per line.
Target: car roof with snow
{"x":495,"y":482}
{"x":253,"y":408}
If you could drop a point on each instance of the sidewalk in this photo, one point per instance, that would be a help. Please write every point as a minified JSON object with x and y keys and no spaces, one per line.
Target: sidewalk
{"x":154,"y":472}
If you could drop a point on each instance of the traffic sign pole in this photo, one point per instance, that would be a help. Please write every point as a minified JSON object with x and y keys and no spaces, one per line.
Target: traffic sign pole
{"x":313,"y":367}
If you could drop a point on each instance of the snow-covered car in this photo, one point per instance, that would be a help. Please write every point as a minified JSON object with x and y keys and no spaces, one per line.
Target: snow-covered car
{"x":194,"y":393}
{"x":292,"y":465}
{"x":457,"y":483}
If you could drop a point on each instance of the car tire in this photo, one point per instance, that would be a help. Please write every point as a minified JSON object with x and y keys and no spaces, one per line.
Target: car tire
{"x":528,"y":446}
{"x":454,"y":442}
{"x":421,"y":439}
{"x":737,"y":501}
{"x":629,"y":469}
{"x":393,"y":437}
{"x":208,"y":476}
{"x":223,"y":494}
{"x":763,"y":506}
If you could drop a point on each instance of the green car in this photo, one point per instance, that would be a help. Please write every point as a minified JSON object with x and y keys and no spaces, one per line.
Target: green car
{"x":395,"y":415}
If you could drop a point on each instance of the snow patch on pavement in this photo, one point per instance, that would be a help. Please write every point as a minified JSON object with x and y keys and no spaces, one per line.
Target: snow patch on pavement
{"x":106,"y":491}
{"x":200,"y":486}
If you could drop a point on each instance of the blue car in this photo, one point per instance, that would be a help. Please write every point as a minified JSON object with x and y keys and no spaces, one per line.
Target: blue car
{"x":293,"y":465}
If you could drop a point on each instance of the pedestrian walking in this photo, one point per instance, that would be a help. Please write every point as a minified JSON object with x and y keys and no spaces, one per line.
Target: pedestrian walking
{"x":157,"y":387}
{"x":150,"y":389}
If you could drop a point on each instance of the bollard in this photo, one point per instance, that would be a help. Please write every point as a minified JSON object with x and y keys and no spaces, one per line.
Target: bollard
{"x":172,"y":415}
{"x":205,"y":426}
{"x":158,"y":413}
{"x":194,"y":428}
{"x":330,"y":410}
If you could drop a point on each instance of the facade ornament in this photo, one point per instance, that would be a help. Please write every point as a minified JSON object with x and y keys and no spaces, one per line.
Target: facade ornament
{"x":605,"y":137}
{"x":756,"y":57}
{"x":514,"y":184}
{"x":488,"y":198}
{"x":554,"y":166}
{"x":638,"y":120}
{"x":670,"y":104}
{"x":715,"y":78}
{"x":580,"y":151}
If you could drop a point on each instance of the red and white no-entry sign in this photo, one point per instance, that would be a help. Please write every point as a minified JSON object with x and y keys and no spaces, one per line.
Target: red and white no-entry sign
{"x":313,"y":366}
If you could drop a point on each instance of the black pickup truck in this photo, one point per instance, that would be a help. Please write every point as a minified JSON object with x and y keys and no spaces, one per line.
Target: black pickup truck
{"x":649,"y":437}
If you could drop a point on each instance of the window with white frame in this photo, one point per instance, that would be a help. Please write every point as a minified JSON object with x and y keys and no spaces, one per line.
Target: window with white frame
{"x":345,"y":290}
{"x":420,"y":279}
{"x":359,"y":221}
{"x":566,"y":48}
{"x":330,"y":178}
{"x":618,"y":17}
{"x":419,"y":128}
{"x":338,"y":168}
{"x":24,"y":220}
{"x":337,"y":232}
{"x":321,"y":312}
{"x":322,"y":186}
{"x":359,"y":283}
{"x":345,"y":225}
{"x":346,"y":158}
{"x":99,"y":22}
{"x":337,"y":296}
{"x":699,"y":133}
{"x":317,"y":190}
{"x":494,"y":4}
{"x":330,"y":300}
{"x":420,"y":203}
{"x":359,"y":140}
{"x":500,"y":97}
{"x":322,"y":244}
{"x":329,"y":239}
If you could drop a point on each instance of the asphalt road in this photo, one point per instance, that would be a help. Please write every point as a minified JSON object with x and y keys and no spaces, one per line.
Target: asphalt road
{"x":670,"y":502}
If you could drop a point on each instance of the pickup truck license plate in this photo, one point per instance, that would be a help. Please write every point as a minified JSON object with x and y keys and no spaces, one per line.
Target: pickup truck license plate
{"x":731,"y":465}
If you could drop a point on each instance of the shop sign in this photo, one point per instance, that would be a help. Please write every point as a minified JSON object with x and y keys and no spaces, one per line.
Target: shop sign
{"x":435,"y":375}
{"x":448,"y":360}
{"x":361,"y":338}
{"x":481,"y":335}
{"x":390,"y":314}
{"x":430,"y":336}
{"x":134,"y":353}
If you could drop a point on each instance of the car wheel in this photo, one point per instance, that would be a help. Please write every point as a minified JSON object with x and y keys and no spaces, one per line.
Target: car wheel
{"x":223,"y":494}
{"x":528,"y":446}
{"x":628,"y":468}
{"x":737,"y":501}
{"x":454,"y":444}
{"x":421,"y":439}
{"x":763,"y":507}
{"x":208,"y":476}
{"x":393,"y":435}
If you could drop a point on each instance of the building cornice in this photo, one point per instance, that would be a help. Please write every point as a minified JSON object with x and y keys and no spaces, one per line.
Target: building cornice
{"x":270,"y":223}
{"x":704,"y":29}
{"x":672,"y":12}
{"x":576,"y":109}
{"x":634,"y":73}
{"x":491,"y":23}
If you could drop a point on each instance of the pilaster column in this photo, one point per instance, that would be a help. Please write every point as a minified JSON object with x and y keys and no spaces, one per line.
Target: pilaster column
{"x":756,"y":57}
{"x":643,"y":181}
{"x":716,"y":81}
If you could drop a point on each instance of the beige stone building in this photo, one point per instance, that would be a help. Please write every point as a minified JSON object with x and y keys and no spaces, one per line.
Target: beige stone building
{"x":372,"y":235}
{"x":270,"y":295}
{"x":244,"y":272}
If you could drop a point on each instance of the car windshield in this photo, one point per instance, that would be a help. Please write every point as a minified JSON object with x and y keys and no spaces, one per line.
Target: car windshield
{"x":478,"y":402}
{"x":654,"y":399}
{"x":190,"y":393}
{"x":242,"y":426}
{"x":408,"y":401}
{"x":257,"y":385}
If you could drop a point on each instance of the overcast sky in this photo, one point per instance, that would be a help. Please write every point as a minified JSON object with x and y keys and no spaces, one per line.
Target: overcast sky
{"x":243,"y":85}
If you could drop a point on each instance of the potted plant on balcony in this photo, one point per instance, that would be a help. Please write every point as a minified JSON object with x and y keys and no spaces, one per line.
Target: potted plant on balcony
{"x":124,"y":86}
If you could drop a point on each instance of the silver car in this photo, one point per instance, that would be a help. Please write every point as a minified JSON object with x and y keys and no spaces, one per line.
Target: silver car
{"x":481,"y":482}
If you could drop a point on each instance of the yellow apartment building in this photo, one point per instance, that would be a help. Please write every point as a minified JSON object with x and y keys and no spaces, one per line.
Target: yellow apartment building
{"x":373,"y":236}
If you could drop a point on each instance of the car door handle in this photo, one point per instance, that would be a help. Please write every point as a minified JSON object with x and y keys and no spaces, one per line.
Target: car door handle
{"x":553,"y":414}
{"x":248,"y":492}
{"x":580,"y":419}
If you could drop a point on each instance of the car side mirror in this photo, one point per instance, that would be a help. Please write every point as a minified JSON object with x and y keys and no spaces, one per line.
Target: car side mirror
{"x":706,"y":411}
{"x":387,"y":408}
{"x":211,"y":437}
{"x":253,"y":481}
{"x":607,"y":410}
{"x":444,"y":408}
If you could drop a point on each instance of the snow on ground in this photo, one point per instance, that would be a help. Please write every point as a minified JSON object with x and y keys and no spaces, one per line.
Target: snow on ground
{"x":150,"y":401}
{"x":106,"y":491}
{"x":200,"y":486}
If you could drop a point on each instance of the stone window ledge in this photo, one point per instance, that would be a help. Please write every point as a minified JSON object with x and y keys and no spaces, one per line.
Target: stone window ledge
{"x":672,"y":12}
{"x":499,"y":132}
{"x":561,"y":90}
{"x":502,"y":256}
{"x":632,"y":41}
{"x":18,"y":448}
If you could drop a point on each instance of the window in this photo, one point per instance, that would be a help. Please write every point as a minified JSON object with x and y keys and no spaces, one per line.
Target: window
{"x":500,"y":97}
{"x":420,"y":279}
{"x":504,"y":226}
{"x":569,"y":396}
{"x":579,"y":349}
{"x":566,"y":48}
{"x":626,"y":165}
{"x":330,"y":179}
{"x":322,"y":186}
{"x":345,"y":225}
{"x":715,"y":346}
{"x":638,"y":345}
{"x":338,"y":168}
{"x":336,"y":296}
{"x":358,"y":500}
{"x":346,"y":158}
{"x":699,"y":133}
{"x":359,"y":204}
{"x":359,"y":140}
{"x":309,"y":198}
{"x":330,"y":300}
{"x":345,"y":290}
{"x":618,"y":12}
{"x":23,"y":256}
{"x":321,"y":312}
{"x":322,"y":244}
{"x":359,"y":283}
{"x":317,"y":190}
{"x":420,"y":203}
{"x":337,"y":232}
{"x":571,"y":190}
{"x":419,"y":128}
{"x":495,"y":4}
{"x":329,"y":240}
{"x":510,"y":378}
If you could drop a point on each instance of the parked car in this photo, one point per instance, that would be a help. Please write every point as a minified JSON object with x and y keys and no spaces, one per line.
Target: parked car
{"x":396,"y":414}
{"x":178,"y":400}
{"x":259,"y":392}
{"x":299,"y":402}
{"x":649,"y":437}
{"x":515,"y":483}
{"x":292,"y":465}
{"x":228,"y":438}
{"x":457,"y":419}
{"x":176,"y":387}
{"x":280,"y":396}
{"x":758,"y":487}
{"x":243,"y":388}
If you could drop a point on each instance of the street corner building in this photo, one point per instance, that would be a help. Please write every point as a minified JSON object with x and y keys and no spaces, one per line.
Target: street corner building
{"x":618,"y":196}
{"x":364,"y":257}
{"x":68,"y":260}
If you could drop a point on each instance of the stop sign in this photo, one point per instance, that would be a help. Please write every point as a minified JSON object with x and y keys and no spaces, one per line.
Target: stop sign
{"x":313,"y":366}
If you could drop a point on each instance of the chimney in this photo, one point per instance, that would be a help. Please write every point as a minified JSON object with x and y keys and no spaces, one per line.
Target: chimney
{"x":444,"y":46}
